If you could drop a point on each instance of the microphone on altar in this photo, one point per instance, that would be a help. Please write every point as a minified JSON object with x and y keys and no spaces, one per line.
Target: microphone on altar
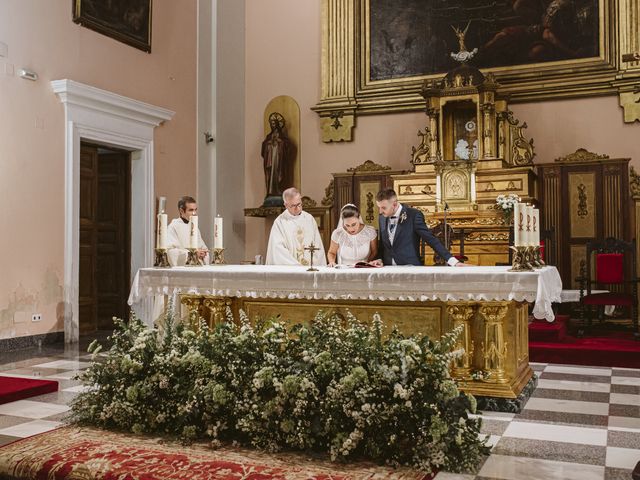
{"x":429,"y":193}
{"x":445,"y":224}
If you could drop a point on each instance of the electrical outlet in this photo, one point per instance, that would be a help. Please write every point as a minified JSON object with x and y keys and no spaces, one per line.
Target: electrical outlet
{"x":36,"y":317}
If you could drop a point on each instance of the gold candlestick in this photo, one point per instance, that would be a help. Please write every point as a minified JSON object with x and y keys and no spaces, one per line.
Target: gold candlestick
{"x":312,"y":248}
{"x":162,"y":261}
{"x":192,"y":258}
{"x":217,"y":256}
{"x":532,"y":252}
{"x":520,"y":262}
{"x":538,"y":254}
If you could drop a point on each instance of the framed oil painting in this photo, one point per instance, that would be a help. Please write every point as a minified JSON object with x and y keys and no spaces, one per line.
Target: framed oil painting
{"x":376,"y":54}
{"x":409,"y":38}
{"x":128,"y":21}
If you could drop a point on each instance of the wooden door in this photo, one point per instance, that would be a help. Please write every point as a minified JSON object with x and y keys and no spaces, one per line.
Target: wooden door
{"x":105,"y":256}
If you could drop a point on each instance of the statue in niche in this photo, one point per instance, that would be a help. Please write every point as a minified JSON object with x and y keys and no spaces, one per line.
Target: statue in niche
{"x":277,"y":152}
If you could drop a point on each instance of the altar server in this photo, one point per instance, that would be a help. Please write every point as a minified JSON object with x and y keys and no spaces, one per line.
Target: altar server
{"x":401,"y":228}
{"x":292,"y":232}
{"x":179,"y":234}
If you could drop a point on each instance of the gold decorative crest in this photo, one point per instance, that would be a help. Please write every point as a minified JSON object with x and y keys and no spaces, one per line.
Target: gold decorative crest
{"x":581,"y":155}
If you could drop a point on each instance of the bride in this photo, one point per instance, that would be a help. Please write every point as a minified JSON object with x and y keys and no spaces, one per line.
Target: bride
{"x":352,"y":241}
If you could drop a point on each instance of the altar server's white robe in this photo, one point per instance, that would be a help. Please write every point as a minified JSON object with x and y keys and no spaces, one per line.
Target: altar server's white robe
{"x":178,"y":235}
{"x":289,"y":236}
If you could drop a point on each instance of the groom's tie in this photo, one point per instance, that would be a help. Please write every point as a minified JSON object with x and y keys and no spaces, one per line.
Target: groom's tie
{"x":392,"y":227}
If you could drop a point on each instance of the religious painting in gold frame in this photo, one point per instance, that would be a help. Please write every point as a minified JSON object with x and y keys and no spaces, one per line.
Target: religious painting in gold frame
{"x":349,"y":89}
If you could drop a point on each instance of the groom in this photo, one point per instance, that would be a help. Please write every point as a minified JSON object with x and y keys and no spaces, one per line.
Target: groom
{"x":401,"y":228}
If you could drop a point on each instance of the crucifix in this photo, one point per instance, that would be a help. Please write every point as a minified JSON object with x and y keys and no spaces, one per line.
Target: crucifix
{"x":312,"y":248}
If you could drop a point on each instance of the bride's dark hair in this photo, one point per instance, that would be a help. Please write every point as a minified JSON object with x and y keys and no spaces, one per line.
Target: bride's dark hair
{"x":349,"y":211}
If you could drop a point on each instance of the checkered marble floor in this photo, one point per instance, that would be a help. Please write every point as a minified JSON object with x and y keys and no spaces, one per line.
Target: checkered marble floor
{"x":581,"y":422}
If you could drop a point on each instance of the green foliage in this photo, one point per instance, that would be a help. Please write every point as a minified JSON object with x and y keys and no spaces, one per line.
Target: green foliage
{"x":334,"y":385}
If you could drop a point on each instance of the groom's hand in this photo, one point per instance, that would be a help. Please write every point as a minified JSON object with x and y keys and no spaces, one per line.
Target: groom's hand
{"x":376,"y":263}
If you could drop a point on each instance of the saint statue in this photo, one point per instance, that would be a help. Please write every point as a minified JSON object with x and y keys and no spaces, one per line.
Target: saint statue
{"x":277,"y":151}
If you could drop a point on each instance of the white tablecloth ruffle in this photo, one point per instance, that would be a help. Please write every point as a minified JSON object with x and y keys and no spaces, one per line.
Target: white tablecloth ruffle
{"x":387,"y":283}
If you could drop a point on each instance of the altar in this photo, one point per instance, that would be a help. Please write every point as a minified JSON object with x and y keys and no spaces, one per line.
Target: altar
{"x":490,"y":304}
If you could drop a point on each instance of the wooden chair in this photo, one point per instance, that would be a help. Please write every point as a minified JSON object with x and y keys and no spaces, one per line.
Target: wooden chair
{"x":613,"y":269}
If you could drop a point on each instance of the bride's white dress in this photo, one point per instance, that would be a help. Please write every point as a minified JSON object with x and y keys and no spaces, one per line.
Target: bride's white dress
{"x":353,"y":248}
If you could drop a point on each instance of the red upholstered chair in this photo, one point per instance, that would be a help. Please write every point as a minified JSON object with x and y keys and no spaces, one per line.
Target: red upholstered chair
{"x":610,"y":265}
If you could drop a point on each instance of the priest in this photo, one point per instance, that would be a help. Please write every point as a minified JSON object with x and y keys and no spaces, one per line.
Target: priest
{"x":292,"y":232}
{"x":179,"y":234}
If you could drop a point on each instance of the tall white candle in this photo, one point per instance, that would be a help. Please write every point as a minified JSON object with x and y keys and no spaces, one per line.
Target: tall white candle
{"x":518,"y":224}
{"x":162,"y":231}
{"x":528,"y":240}
{"x":193,"y":231}
{"x":217,"y":232}
{"x":536,"y":227}
{"x":162,"y":204}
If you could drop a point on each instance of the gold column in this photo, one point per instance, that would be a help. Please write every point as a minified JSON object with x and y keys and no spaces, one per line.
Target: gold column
{"x":488,"y":110}
{"x":494,"y":348}
{"x":433,"y":127}
{"x":462,"y":314}
{"x":216,"y":308}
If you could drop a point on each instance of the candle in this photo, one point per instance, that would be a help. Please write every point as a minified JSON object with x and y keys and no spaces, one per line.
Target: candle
{"x":536,"y":227}
{"x":217,"y":232}
{"x":518,"y":224}
{"x":161,"y":241}
{"x":528,"y":240}
{"x":193,"y":231}
{"x":161,"y":204}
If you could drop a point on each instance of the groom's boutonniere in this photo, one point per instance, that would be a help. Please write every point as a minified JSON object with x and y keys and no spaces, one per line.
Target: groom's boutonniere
{"x":403,"y":217}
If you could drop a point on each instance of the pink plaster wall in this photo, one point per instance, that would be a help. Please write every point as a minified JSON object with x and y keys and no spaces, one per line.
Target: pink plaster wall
{"x":42,"y":37}
{"x":283,"y":58}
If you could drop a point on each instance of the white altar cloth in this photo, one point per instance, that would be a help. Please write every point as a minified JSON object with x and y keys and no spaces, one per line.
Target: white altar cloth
{"x":387,"y":283}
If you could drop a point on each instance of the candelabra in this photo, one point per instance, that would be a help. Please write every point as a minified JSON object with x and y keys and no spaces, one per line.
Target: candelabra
{"x":521,"y":259}
{"x":192,"y":258}
{"x":218,"y":256}
{"x":162,"y":261}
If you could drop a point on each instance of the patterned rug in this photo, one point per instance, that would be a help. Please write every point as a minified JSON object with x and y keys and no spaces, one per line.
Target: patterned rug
{"x":72,"y":453}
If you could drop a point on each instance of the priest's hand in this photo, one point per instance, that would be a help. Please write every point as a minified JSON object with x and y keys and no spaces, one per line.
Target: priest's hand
{"x":202,"y":252}
{"x":460,"y":264}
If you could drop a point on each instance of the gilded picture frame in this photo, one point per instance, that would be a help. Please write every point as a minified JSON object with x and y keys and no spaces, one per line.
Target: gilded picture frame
{"x":349,"y":90}
{"x":127,"y":21}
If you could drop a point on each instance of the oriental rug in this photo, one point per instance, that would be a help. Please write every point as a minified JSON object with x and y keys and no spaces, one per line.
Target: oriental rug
{"x":18,"y":388}
{"x":74,"y":453}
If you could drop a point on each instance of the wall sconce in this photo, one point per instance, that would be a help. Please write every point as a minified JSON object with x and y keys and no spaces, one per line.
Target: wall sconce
{"x":208,"y":138}
{"x":27,"y":74}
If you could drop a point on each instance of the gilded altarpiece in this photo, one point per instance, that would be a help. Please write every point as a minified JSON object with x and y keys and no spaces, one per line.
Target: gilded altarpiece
{"x":470,"y":151}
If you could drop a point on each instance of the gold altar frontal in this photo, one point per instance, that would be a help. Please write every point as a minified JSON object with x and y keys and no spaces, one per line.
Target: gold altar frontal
{"x":494,"y":335}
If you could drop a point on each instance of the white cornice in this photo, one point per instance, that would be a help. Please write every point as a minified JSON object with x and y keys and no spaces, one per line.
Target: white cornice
{"x":74,"y":93}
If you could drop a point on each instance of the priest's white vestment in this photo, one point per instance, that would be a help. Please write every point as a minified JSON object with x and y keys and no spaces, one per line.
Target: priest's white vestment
{"x":289,"y":236}
{"x":178,"y":237}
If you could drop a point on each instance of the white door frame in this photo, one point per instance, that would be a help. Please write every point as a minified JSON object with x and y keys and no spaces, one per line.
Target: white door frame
{"x":113,"y":120}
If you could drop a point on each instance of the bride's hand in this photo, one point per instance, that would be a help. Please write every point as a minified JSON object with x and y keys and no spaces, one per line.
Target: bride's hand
{"x":331,"y":264}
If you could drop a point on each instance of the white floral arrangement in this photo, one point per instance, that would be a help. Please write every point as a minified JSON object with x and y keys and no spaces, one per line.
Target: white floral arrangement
{"x":332,"y":386}
{"x":507,"y":203}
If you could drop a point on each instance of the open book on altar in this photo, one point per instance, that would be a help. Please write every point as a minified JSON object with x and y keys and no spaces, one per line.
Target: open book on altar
{"x":358,"y":265}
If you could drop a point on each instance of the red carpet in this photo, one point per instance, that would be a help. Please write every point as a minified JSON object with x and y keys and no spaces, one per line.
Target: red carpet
{"x":549,"y":343}
{"x":73,"y":453}
{"x":15,"y":388}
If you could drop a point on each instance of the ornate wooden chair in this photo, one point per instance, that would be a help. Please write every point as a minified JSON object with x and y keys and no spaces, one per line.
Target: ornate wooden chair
{"x":610,"y":265}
